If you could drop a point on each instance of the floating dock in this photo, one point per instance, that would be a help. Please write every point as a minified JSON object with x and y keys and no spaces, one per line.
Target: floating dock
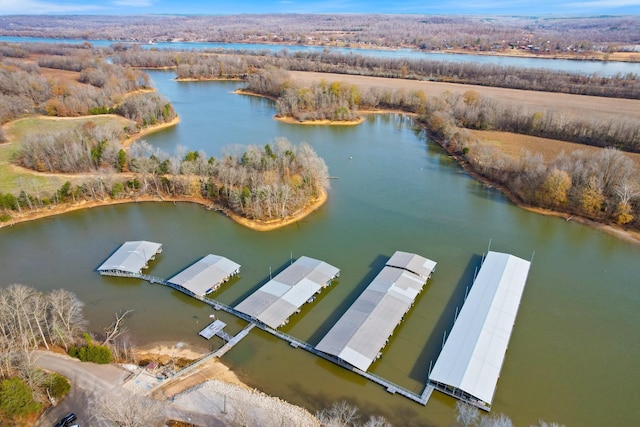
{"x":364,"y":329}
{"x":283,"y":295}
{"x":213,"y":329}
{"x":463,"y":370}
{"x":130,"y":258}
{"x":469,"y":364}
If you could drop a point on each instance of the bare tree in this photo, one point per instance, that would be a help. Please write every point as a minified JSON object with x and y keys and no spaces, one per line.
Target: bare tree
{"x":116,"y":329}
{"x":377,"y":421}
{"x":340,"y":414}
{"x":126,"y":410}
{"x":467,"y":415}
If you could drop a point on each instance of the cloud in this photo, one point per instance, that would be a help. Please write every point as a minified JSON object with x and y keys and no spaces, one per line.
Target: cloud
{"x":37,"y":7}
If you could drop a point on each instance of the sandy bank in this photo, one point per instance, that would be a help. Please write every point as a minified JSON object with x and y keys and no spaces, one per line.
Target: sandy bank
{"x":213,"y":389}
{"x":294,"y":121}
{"x":629,"y":236}
{"x":33,"y":214}
{"x":277,"y":223}
{"x":148,"y":130}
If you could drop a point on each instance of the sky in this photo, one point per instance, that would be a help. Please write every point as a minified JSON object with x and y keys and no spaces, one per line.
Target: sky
{"x":225,"y":7}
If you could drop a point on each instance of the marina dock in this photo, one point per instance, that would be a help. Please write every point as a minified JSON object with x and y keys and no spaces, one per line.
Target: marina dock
{"x":391,"y":294}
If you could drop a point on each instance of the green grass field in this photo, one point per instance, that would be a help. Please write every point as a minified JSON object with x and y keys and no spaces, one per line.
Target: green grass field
{"x":13,"y":179}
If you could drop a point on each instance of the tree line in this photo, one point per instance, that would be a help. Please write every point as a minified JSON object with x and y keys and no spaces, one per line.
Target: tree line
{"x":101,"y":86}
{"x":603,"y":185}
{"x":473,"y":111}
{"x":336,"y":100}
{"x":430,"y":32}
{"x":264,"y":183}
{"x":470,"y":110}
{"x":30,"y":319}
{"x":231,"y":64}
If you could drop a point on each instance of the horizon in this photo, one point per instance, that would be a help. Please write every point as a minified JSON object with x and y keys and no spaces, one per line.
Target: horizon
{"x":517,"y":8}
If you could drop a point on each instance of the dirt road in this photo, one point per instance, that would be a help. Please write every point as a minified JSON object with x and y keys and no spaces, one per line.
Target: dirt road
{"x":88,"y":379}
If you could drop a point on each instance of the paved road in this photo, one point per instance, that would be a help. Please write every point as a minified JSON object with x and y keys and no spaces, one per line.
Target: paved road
{"x":89,"y":378}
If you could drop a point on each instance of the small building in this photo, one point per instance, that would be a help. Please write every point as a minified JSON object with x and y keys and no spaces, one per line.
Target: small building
{"x":283,"y":295}
{"x":364,"y":329}
{"x":469,"y":364}
{"x":130,"y":258}
{"x":205,"y":275}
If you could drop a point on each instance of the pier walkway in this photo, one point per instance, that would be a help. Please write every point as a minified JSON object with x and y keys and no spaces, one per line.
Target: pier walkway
{"x":391,"y":387}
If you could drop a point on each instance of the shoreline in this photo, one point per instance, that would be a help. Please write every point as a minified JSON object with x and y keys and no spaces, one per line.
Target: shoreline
{"x":324,"y":122}
{"x":629,"y":236}
{"x":519,"y":53}
{"x":255,"y":225}
{"x":126,"y":143}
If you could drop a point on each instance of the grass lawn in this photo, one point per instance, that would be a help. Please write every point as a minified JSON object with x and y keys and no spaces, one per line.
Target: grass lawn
{"x":12,"y":178}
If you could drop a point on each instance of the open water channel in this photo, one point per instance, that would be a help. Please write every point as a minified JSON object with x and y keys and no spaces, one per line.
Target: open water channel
{"x":573,"y":355}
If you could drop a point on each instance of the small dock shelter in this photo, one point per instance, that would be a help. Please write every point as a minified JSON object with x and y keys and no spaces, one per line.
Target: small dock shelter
{"x":283,"y":295}
{"x":205,"y":275}
{"x":130,"y":258}
{"x":364,"y":329}
{"x":469,"y":364}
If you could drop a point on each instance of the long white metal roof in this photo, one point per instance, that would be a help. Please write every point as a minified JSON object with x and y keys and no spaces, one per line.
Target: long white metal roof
{"x":472,"y":356}
{"x":131,"y":257}
{"x":364,"y":328}
{"x":205,"y":274}
{"x":283,"y":295}
{"x":414,"y":263}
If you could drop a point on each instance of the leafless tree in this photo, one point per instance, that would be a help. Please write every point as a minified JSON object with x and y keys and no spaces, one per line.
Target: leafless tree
{"x":116,"y":328}
{"x":467,"y":415}
{"x":339,"y":414}
{"x":122,"y":409}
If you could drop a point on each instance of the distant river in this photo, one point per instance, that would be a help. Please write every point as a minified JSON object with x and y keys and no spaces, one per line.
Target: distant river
{"x":602,"y":68}
{"x":573,"y":356}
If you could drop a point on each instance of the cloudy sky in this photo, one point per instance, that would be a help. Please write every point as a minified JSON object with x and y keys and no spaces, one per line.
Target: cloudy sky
{"x":511,"y":7}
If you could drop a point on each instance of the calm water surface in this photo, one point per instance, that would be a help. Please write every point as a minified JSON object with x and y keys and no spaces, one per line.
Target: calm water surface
{"x":573,"y":355}
{"x":602,"y":68}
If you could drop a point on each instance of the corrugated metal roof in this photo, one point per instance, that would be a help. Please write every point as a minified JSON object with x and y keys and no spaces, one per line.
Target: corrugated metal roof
{"x":283,"y":295}
{"x":365,"y":327}
{"x":205,"y":274}
{"x":414,"y":263}
{"x":472,"y":356}
{"x":131,"y":257}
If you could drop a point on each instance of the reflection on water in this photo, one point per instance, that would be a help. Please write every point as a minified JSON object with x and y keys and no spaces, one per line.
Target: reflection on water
{"x":573,"y":351}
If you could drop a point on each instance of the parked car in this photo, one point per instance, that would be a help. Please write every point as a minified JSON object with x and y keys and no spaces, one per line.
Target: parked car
{"x":66,"y":420}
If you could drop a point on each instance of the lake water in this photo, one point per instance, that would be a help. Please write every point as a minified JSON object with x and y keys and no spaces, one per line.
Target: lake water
{"x":573,"y":355}
{"x":602,"y":68}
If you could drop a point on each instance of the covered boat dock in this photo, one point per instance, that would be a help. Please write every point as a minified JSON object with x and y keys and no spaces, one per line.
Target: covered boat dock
{"x":205,"y":275}
{"x":130,"y":258}
{"x":364,"y":329}
{"x":469,"y":364}
{"x":283,"y":295}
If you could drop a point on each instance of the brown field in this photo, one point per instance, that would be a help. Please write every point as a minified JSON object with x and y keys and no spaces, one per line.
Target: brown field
{"x":584,"y":106}
{"x":513,"y":144}
{"x":60,"y":74}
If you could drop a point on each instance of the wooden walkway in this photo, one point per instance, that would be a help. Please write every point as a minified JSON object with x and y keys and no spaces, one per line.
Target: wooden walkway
{"x":391,"y":387}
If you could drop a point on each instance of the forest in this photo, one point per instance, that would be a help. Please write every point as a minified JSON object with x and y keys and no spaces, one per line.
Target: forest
{"x":34,"y":79}
{"x":602,"y":185}
{"x":30,"y":319}
{"x":275,"y":181}
{"x":216,"y":64}
{"x":544,"y":35}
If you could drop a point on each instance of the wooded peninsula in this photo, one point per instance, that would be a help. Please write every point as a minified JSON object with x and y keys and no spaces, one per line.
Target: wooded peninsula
{"x":73,"y":117}
{"x":274,"y":183}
